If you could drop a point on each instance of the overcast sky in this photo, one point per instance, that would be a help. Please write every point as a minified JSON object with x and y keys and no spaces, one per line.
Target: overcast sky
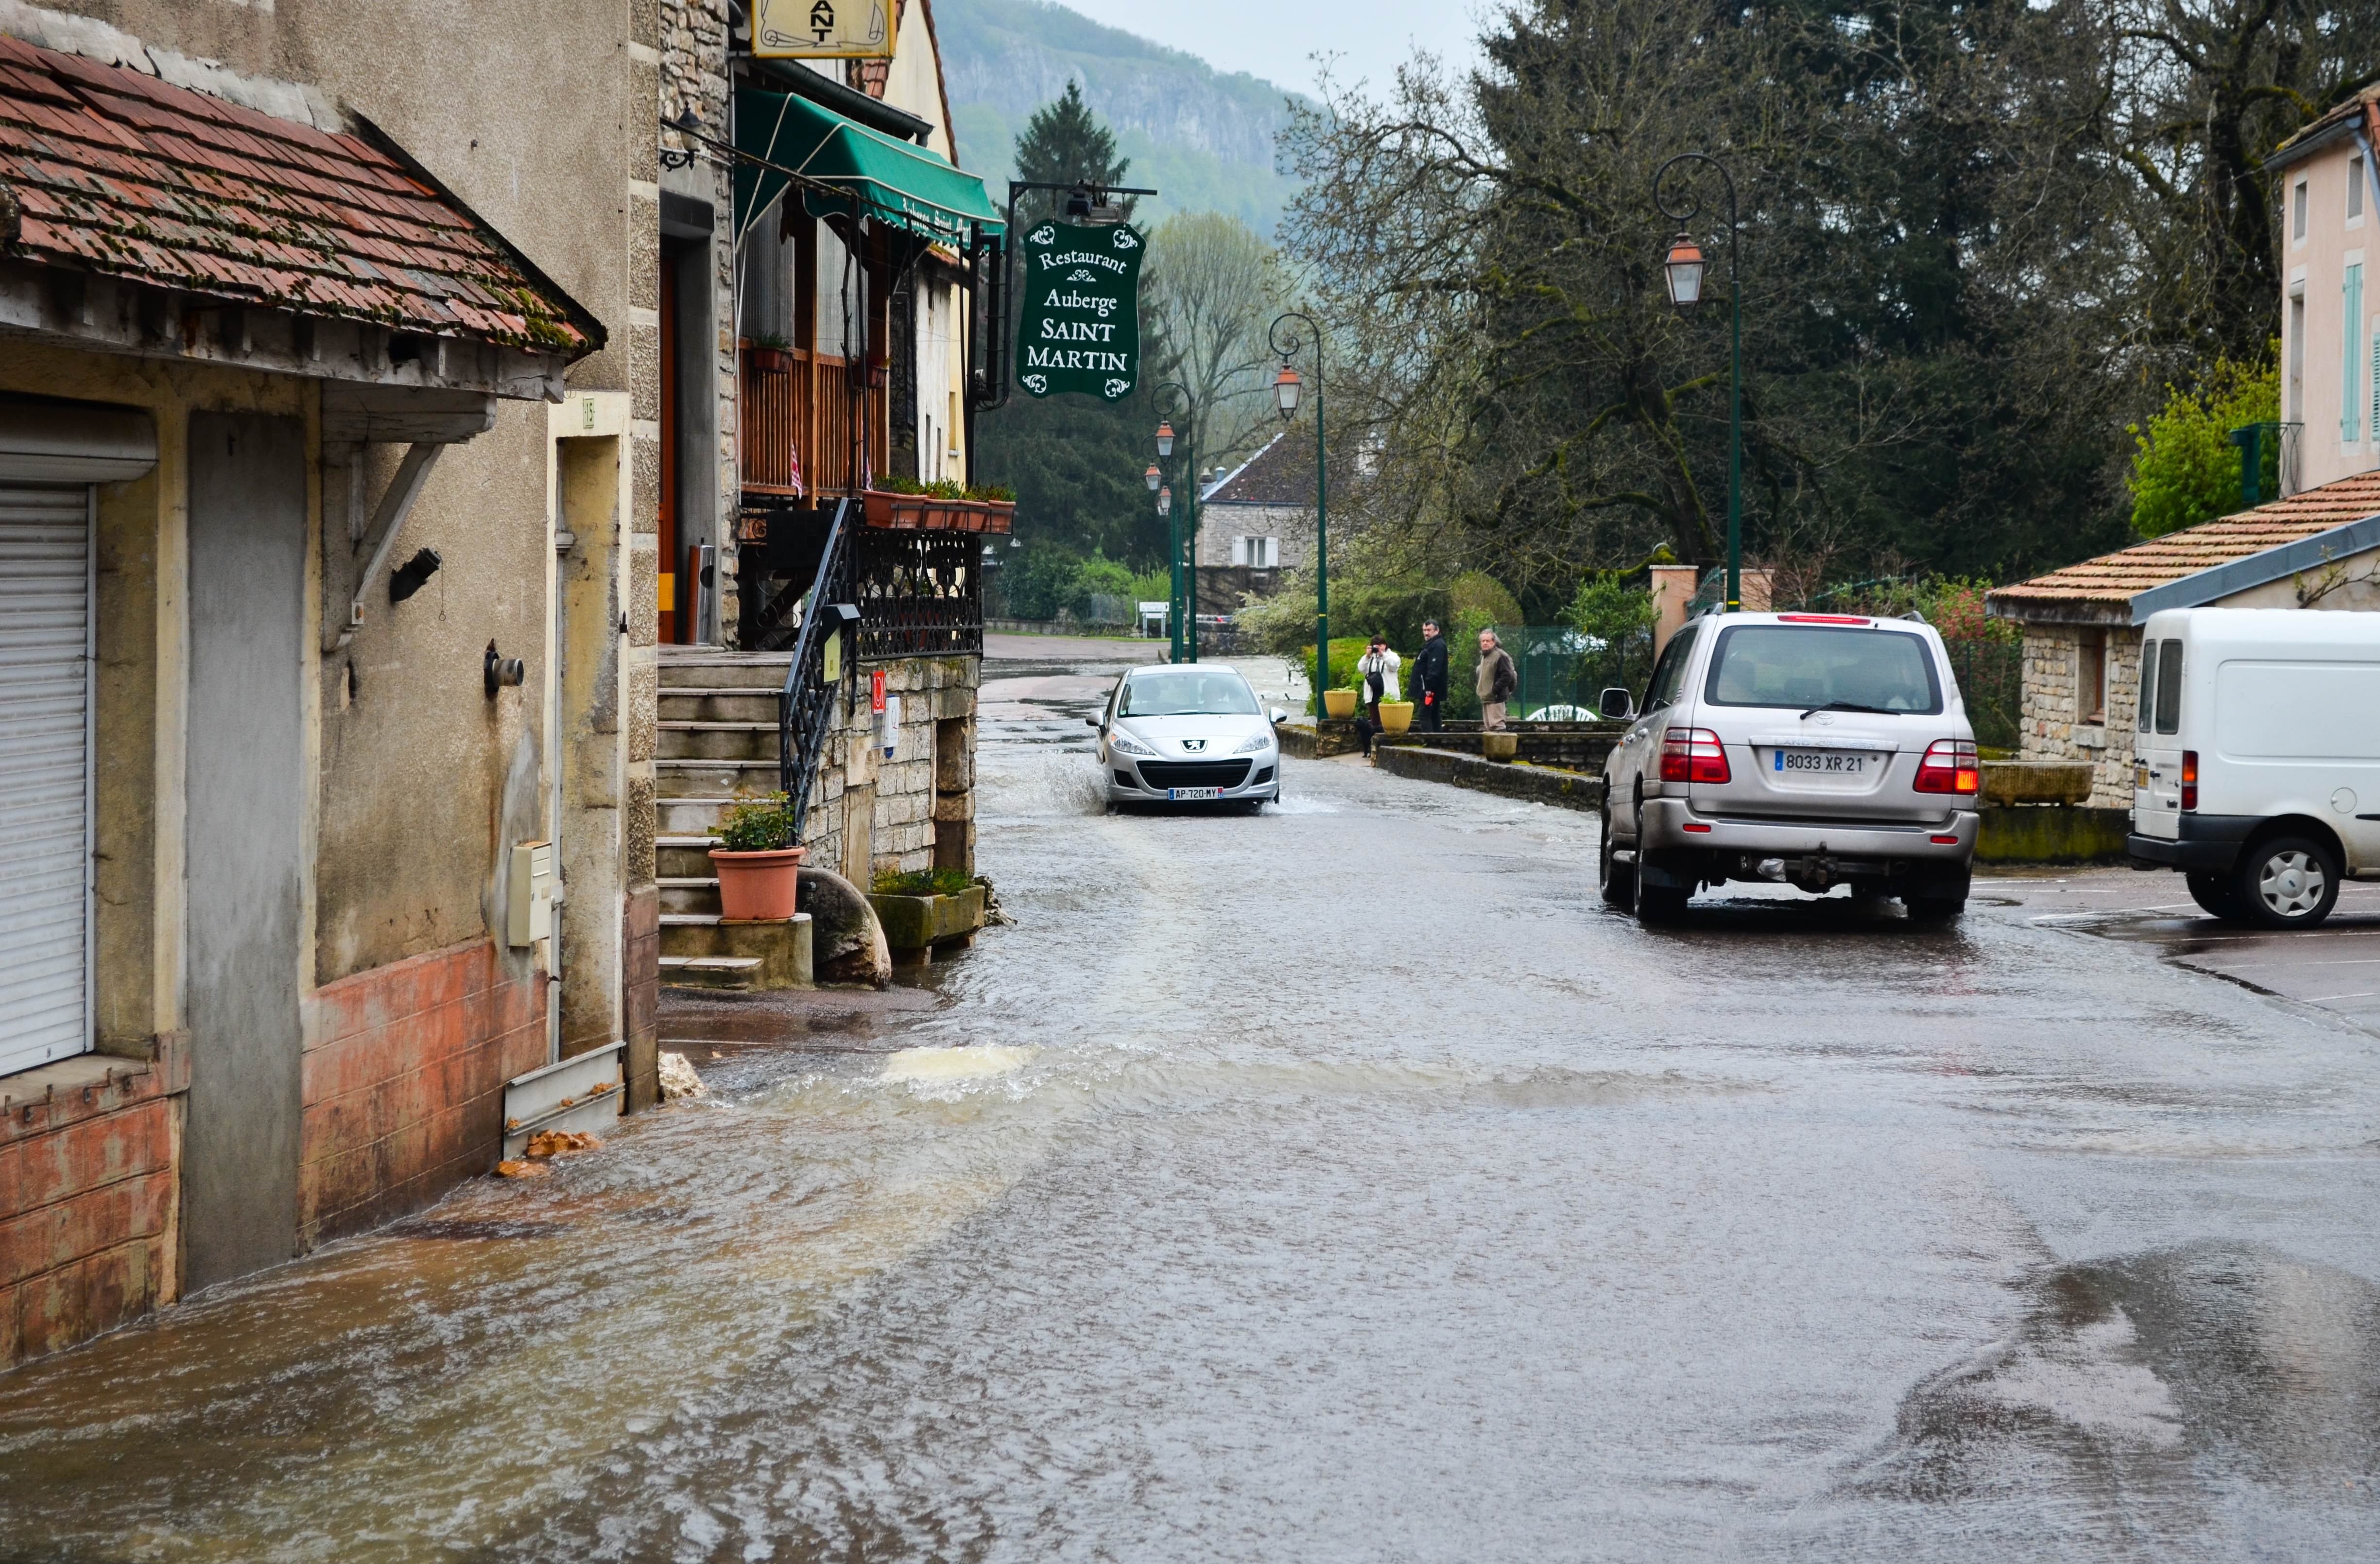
{"x":1273,"y":39}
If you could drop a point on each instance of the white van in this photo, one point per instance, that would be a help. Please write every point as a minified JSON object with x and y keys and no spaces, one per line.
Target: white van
{"x":2257,"y":758}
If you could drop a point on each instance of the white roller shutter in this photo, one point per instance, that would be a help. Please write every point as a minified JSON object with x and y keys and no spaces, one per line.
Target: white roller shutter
{"x":45,"y":783}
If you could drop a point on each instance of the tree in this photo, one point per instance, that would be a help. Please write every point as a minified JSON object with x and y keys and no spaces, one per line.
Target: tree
{"x":1211,"y":289}
{"x":1064,"y":143}
{"x":2185,"y":470}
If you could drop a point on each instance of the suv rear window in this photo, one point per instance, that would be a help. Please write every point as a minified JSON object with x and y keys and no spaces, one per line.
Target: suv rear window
{"x":1808,"y":666}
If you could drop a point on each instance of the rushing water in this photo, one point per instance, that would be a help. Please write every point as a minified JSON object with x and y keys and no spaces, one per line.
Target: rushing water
{"x":1341,"y":1182}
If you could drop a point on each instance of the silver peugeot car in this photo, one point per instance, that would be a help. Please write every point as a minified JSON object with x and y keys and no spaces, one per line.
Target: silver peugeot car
{"x":1189,"y":732}
{"x":1813,"y":750}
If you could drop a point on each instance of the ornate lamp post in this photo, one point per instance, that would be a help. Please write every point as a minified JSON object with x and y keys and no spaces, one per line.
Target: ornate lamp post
{"x":1183,"y":613}
{"x":1286,"y":394}
{"x":1683,"y":269}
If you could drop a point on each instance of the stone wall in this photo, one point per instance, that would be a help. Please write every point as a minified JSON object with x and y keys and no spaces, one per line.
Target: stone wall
{"x":2050,"y":729}
{"x":871,"y":813}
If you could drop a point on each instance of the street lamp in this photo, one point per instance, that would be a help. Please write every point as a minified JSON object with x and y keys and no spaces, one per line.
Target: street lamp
{"x":1182,"y":614}
{"x":1683,"y":268}
{"x":1286,"y":388}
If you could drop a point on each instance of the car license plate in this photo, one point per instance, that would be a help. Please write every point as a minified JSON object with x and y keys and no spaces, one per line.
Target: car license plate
{"x":1823,"y":765}
{"x":1194,"y":792}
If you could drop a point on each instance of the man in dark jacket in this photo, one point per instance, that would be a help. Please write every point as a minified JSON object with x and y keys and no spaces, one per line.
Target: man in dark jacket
{"x":1497,"y":682}
{"x":1429,"y":677}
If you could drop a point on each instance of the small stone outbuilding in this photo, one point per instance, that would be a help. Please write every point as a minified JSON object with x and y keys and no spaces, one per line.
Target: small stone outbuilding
{"x":2319,"y":549}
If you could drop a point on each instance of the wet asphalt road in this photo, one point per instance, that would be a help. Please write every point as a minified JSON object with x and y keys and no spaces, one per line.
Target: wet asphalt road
{"x":1346,"y":1183}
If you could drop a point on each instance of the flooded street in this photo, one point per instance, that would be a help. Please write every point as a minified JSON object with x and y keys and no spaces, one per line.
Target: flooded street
{"x":1342,"y":1182}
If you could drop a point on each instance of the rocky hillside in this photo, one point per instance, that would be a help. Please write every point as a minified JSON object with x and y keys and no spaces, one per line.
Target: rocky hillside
{"x":1204,"y":138}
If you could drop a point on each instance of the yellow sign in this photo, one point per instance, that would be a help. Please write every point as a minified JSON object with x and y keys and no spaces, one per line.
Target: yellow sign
{"x":823,"y":29}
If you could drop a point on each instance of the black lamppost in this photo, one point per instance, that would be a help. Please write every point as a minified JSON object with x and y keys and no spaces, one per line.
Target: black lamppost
{"x":1285,"y":390}
{"x":1683,"y":269}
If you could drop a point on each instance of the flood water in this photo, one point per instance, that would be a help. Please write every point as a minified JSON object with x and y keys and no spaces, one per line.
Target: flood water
{"x":1342,"y":1182}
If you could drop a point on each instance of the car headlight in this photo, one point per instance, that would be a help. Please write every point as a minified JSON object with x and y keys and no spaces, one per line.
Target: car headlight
{"x":1256,"y":745}
{"x":1129,"y":745}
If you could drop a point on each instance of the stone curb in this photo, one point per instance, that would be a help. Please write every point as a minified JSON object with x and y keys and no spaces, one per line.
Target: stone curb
{"x":1565,"y":789}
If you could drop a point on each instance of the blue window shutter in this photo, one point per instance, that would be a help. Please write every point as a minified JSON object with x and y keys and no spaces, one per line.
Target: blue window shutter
{"x":2350,"y":396}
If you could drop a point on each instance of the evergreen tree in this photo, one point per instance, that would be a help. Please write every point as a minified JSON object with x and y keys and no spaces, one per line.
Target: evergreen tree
{"x":1064,"y":143}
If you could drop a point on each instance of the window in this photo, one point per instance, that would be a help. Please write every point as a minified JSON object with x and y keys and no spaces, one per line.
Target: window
{"x":2148,"y":685}
{"x":2351,"y":387}
{"x":1808,"y":666}
{"x":1260,"y":554}
{"x":2169,"y":687}
{"x":1669,"y":674}
{"x":2298,"y":212}
{"x":2297,"y":358}
{"x":1203,"y":692}
{"x":2091,"y":679}
{"x":2355,"y":190}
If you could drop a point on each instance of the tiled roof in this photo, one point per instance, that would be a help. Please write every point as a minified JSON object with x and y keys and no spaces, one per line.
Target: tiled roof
{"x":2364,"y":106}
{"x":119,"y":171}
{"x":1280,"y":474}
{"x":2114,"y":580}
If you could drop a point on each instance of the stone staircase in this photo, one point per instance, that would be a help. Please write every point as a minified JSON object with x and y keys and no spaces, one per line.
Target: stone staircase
{"x":717,"y":742}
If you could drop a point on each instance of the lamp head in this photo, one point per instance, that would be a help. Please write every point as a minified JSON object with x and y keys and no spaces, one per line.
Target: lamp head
{"x":1165,"y":438}
{"x":1683,"y":268}
{"x":1286,"y":389}
{"x":1165,"y":501}
{"x":1152,"y":478}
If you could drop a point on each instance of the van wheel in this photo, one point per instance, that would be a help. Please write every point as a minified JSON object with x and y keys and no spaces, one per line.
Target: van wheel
{"x":1617,"y":880}
{"x":2217,"y":896}
{"x":2287,"y":883}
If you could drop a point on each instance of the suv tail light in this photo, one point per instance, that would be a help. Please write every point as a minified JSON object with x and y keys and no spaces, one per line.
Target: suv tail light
{"x":2189,"y":778}
{"x":1694,"y":754}
{"x":1949,"y":766}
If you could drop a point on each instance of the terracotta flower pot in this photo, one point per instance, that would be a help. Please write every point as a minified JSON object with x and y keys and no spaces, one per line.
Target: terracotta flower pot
{"x":758,"y":884}
{"x":1340,"y":704}
{"x":1395,"y":715}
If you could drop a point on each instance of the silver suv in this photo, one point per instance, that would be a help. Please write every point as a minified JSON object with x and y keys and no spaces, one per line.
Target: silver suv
{"x":1815,"y":750}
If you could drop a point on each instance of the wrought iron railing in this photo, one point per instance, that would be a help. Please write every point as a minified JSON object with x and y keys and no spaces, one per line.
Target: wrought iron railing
{"x":920,"y":593}
{"x":806,"y":707}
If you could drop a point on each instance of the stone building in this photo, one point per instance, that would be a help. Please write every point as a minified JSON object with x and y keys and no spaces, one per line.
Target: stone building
{"x":2319,"y":549}
{"x":332,"y":438}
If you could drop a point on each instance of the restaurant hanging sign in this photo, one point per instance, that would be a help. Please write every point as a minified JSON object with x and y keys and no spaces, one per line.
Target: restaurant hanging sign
{"x":823,"y":29}
{"x":1078,"y":325}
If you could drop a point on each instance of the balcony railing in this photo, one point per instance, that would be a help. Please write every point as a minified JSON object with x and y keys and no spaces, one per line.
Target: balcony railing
{"x":795,"y":431}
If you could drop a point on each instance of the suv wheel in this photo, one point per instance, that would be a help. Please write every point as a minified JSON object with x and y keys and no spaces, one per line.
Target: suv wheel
{"x":1655,"y":904}
{"x":2216,"y":895}
{"x":1934,"y":908}
{"x":2287,"y":883}
{"x":1617,"y":880}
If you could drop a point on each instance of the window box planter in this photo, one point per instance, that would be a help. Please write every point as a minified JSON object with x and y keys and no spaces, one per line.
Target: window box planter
{"x":917,"y":923}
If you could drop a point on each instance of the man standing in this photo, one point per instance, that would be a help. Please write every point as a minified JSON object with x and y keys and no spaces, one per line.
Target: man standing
{"x":1429,"y":677}
{"x":1497,"y":679}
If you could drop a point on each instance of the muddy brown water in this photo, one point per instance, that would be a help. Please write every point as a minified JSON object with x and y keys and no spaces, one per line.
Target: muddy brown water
{"x":1342,"y":1182}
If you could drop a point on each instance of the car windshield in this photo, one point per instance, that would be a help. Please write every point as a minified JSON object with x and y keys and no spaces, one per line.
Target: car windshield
{"x":1187,"y":693}
{"x":1814,"y":665}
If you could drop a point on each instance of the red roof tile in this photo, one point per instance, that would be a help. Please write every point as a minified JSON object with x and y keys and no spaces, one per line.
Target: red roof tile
{"x":121,"y":173}
{"x":2116,"y":579}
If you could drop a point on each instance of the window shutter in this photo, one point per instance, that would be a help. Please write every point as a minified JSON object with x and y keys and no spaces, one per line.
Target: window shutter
{"x":2350,"y":397}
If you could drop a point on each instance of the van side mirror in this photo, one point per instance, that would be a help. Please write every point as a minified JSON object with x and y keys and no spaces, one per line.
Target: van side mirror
{"x":1615,"y":704}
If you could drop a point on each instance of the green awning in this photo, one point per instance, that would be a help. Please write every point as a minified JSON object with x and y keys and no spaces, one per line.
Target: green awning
{"x":895,"y":182}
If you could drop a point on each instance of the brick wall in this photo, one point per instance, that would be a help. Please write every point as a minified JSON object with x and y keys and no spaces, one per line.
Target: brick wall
{"x":405,"y":1073}
{"x":90,"y":1197}
{"x":2051,"y":728}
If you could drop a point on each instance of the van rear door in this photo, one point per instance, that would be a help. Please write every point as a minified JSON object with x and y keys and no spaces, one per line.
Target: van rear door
{"x":2157,"y":743}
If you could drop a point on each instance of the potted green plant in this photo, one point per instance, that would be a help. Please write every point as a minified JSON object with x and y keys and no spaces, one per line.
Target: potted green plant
{"x":758,"y":864}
